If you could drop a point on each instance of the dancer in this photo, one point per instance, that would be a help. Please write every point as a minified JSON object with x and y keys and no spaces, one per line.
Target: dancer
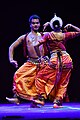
{"x":24,"y":77}
{"x":55,"y":76}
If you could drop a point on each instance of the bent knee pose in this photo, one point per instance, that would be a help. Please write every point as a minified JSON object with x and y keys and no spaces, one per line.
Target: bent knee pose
{"x":54,"y":77}
{"x":24,"y":77}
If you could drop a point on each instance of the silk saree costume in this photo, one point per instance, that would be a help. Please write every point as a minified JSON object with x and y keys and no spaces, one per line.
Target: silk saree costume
{"x":53,"y":79}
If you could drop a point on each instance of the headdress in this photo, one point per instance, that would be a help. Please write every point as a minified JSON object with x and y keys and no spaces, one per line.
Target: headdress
{"x":55,"y":18}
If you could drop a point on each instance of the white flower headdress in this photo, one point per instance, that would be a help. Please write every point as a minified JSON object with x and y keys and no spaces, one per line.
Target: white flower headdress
{"x":54,"y":19}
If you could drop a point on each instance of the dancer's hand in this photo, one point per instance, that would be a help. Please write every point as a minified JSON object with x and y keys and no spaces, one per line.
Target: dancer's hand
{"x":45,"y":25}
{"x":14,"y":63}
{"x":68,"y":26}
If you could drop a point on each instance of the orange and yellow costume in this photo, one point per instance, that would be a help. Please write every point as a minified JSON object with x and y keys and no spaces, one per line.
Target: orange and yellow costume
{"x":24,"y":78}
{"x":54,"y":78}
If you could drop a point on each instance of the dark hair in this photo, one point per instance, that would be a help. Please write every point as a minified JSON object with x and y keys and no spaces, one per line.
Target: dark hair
{"x":56,"y":22}
{"x":33,"y":17}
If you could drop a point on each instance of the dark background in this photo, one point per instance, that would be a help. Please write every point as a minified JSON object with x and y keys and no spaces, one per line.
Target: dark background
{"x":14,"y":16}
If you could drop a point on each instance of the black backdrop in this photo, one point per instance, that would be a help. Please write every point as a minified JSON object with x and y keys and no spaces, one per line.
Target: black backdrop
{"x":14,"y":16}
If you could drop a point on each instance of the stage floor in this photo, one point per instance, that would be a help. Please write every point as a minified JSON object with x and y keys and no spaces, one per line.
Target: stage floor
{"x":10,"y":111}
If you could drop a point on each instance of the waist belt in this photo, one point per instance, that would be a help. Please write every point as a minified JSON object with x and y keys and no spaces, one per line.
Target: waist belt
{"x":59,"y":54}
{"x":38,"y":60}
